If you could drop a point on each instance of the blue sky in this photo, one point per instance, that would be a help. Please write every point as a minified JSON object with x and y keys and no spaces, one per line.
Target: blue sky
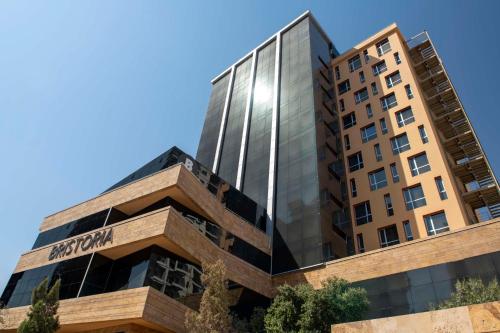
{"x":91,"y":90}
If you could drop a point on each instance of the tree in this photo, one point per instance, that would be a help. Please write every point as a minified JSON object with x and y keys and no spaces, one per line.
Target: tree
{"x":303,"y":309}
{"x":42,"y":315}
{"x":255,"y":324}
{"x":471,"y":291}
{"x":213,"y":315}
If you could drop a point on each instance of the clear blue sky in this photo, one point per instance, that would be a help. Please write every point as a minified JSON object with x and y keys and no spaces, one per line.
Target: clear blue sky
{"x":91,"y":90}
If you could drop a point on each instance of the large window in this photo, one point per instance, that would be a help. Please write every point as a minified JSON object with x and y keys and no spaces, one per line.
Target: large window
{"x":383,"y":47}
{"x":361,"y":95}
{"x":436,"y":223}
{"x":388,"y":101}
{"x":400,"y":144}
{"x":414,"y":197}
{"x":355,"y":161}
{"x":405,"y":117}
{"x":344,"y":87}
{"x":377,"y":179}
{"x":368,"y":133}
{"x":363,"y":213}
{"x":393,"y":79}
{"x":349,"y":120}
{"x":388,"y":236}
{"x":379,"y":67}
{"x":419,"y":164}
{"x":354,"y":63}
{"x":440,"y":188}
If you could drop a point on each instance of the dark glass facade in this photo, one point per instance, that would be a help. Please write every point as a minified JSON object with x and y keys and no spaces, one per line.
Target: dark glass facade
{"x":231,"y":144}
{"x":416,"y":290}
{"x":207,"y":146}
{"x":256,"y":169}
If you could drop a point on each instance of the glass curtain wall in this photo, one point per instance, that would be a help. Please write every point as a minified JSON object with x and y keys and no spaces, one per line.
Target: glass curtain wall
{"x":258,"y":149}
{"x":211,"y":128}
{"x":231,"y":144}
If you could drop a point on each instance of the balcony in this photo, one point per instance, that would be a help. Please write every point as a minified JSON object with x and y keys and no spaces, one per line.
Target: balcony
{"x":458,"y":138}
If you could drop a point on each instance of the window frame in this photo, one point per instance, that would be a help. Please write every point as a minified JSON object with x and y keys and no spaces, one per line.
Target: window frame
{"x":354,"y":63}
{"x":389,"y":207}
{"x":347,"y":84}
{"x":363,"y":93}
{"x":367,"y":217}
{"x":366,"y":137}
{"x":400,"y":120}
{"x":359,"y":163}
{"x":394,"y":173}
{"x":378,"y":69}
{"x":397,"y":148}
{"x":408,"y":231}
{"x":382,"y":233}
{"x":383,"y":47}
{"x":389,"y":79}
{"x":415,"y":168}
{"x":375,"y":183}
{"x":441,"y":188}
{"x":410,"y":199}
{"x":383,"y":128}
{"x":388,"y":105}
{"x":378,"y":152}
{"x":423,"y":134}
{"x":352,"y":117}
{"x":429,"y":222}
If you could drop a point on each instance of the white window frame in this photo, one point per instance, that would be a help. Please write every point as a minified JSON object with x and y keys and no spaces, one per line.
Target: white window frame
{"x":404,"y":121}
{"x":383,"y":47}
{"x":397,"y":148}
{"x":382,"y":233}
{"x":379,"y":68}
{"x":394,"y":173}
{"x":354,"y":189}
{"x":391,"y":82}
{"x":440,"y":187}
{"x":361,"y":247}
{"x":354,"y":63}
{"x":410,"y":205}
{"x":358,"y":97}
{"x":386,"y":105}
{"x":369,"y":111}
{"x":397,"y":58}
{"x":352,"y":117}
{"x":365,"y":137}
{"x":389,"y":208}
{"x":423,"y":134}
{"x":383,"y":128}
{"x":359,"y":164}
{"x":367,"y":212}
{"x":417,"y":169}
{"x":378,"y":152}
{"x":409,"y":92}
{"x":429,"y":222}
{"x":376,"y":184}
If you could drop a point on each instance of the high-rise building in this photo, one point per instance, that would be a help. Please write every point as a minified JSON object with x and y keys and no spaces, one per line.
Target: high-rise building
{"x":311,"y":164}
{"x":271,"y":130}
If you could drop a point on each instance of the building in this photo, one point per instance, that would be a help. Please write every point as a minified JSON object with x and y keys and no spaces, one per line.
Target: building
{"x":311,"y":164}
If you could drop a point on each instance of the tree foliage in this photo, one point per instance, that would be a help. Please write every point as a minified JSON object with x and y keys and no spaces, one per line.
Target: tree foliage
{"x":472,"y":291}
{"x":42,"y":315}
{"x":255,"y":324}
{"x":303,"y":309}
{"x":213,"y":315}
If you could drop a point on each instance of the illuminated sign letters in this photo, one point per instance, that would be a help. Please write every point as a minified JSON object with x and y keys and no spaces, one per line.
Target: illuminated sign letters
{"x":83,"y":243}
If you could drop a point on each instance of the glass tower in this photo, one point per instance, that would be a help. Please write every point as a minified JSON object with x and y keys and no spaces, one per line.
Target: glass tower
{"x":271,"y":130}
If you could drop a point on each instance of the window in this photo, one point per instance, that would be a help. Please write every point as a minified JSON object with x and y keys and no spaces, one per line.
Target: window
{"x":369,"y":112}
{"x":419,"y":164}
{"x":368,"y":133}
{"x":383,"y":47}
{"x":400,"y":144}
{"x":349,"y":120}
{"x":397,"y":58}
{"x":342,"y":105}
{"x":347,"y":142}
{"x":354,"y":190}
{"x":388,"y":236}
{"x":366,"y":56}
{"x":337,"y":73}
{"x":378,"y":152}
{"x":393,"y":79}
{"x":394,"y":173}
{"x":344,"y":87}
{"x":407,"y":229}
{"x":361,"y":95}
{"x":355,"y":161}
{"x":405,"y":117}
{"x":423,"y":134}
{"x":414,"y":197}
{"x":374,"y":88}
{"x":379,"y":67}
{"x":354,"y":63}
{"x":383,"y":126}
{"x":361,"y":76}
{"x":363,"y":213}
{"x":388,"y":101}
{"x":361,"y":243}
{"x":441,"y":189}
{"x":409,"y":93}
{"x":377,"y":179}
{"x":436,"y":223}
{"x":388,"y":205}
